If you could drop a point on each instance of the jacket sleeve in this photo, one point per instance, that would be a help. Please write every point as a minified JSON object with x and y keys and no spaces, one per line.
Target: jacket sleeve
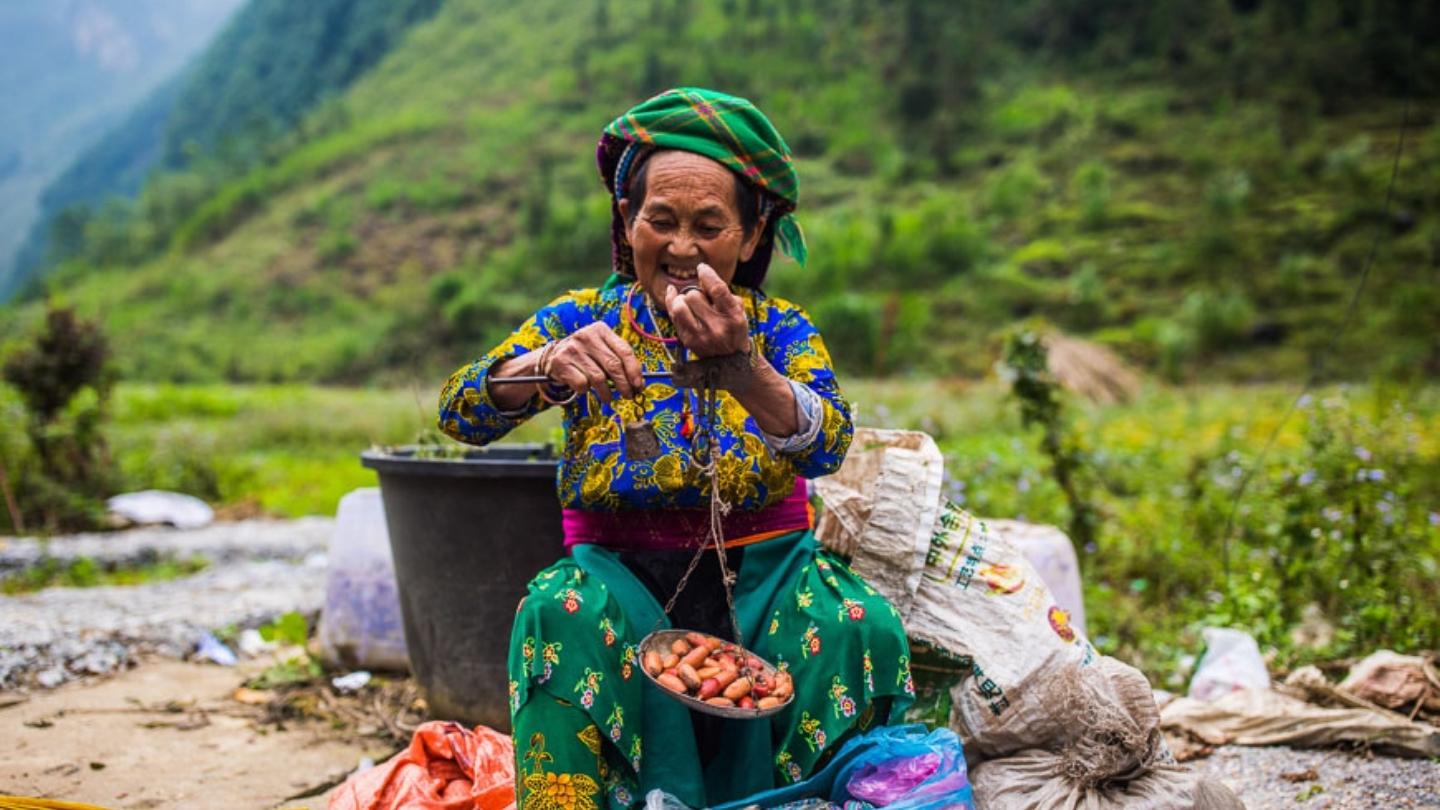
{"x":794,"y":347}
{"x":467,"y":412}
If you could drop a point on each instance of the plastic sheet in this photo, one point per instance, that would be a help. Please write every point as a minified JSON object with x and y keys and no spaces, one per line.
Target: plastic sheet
{"x":154,"y":506}
{"x":446,"y":767}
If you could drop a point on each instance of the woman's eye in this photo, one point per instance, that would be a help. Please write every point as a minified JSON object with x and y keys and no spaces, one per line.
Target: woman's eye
{"x":709,"y":231}
{"x":662,"y":224}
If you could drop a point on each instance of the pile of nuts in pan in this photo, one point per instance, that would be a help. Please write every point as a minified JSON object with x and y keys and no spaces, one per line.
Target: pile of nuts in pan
{"x":714,"y":672}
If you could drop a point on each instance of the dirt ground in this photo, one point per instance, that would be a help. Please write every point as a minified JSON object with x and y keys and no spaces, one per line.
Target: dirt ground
{"x":168,"y":734}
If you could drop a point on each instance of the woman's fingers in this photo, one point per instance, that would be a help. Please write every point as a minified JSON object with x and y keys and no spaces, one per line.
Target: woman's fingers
{"x":718,"y":294}
{"x":593,"y":358}
{"x":595,"y":377}
{"x":688,"y":324}
{"x":630,"y":377}
{"x":710,"y":319}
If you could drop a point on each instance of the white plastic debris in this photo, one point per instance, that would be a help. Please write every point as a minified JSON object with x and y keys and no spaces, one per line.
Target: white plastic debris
{"x":353,"y":682}
{"x":209,"y":648}
{"x":158,"y":506}
{"x":1231,"y":663}
{"x":252,"y":645}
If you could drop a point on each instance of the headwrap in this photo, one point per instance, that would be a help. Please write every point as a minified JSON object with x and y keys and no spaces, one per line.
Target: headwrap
{"x":724,"y":128}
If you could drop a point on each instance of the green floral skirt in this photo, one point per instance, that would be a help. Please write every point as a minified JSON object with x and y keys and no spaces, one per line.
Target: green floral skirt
{"x":591,"y":731}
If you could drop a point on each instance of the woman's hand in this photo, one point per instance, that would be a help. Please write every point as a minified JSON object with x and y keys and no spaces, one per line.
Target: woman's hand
{"x":588,"y":360}
{"x":709,"y":319}
{"x":593,"y":357}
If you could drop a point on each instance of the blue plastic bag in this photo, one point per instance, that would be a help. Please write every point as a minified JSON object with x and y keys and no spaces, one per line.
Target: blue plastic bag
{"x":907,"y":768}
{"x":894,"y":767}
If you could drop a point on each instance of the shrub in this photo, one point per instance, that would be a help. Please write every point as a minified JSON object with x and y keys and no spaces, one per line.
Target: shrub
{"x":1217,"y":320}
{"x":63,"y":381}
{"x":850,"y":324}
{"x":1092,"y":189}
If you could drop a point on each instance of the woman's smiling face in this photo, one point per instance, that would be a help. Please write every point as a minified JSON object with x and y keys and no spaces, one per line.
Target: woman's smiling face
{"x":689,"y":216}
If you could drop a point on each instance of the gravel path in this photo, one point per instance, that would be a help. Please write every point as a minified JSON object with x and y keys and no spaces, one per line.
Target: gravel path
{"x":259,"y":569}
{"x":1341,"y":780}
{"x":218,"y":542}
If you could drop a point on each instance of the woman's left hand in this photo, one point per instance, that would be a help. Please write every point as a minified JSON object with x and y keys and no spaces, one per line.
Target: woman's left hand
{"x":709,"y":319}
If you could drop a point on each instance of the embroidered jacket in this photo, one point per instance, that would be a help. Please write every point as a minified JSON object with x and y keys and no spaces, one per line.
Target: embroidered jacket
{"x":596,"y":473}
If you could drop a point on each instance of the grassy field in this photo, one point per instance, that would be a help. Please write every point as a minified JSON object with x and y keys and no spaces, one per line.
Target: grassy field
{"x":1344,"y":514}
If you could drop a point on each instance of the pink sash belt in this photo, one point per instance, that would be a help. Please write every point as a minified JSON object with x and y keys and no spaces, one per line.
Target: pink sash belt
{"x":655,"y":530}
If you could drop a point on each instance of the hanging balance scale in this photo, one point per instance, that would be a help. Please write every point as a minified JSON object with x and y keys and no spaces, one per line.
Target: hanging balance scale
{"x":700,"y":670}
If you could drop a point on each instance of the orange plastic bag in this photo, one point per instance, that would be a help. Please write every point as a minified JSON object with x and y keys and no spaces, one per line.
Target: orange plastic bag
{"x":446,"y":767}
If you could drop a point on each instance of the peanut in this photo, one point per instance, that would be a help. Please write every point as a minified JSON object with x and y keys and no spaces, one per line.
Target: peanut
{"x":679,"y":646}
{"x":671,"y":682}
{"x":740,"y":688}
{"x":707,"y":672}
{"x":696,"y":657}
{"x":746,"y":702}
{"x":697,"y":639}
{"x":688,"y":675}
{"x":767,"y":703}
{"x":709,"y":688}
{"x":653,"y":664}
{"x":727,"y":677}
{"x":669,"y":660}
{"x":721,"y":701}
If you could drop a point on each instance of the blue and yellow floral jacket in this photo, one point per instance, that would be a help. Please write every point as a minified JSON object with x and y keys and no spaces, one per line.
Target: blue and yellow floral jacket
{"x":595,"y":472}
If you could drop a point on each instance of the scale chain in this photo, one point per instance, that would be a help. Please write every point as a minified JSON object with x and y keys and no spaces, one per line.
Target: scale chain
{"x":718,"y":510}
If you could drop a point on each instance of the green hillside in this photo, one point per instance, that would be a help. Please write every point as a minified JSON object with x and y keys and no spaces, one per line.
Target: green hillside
{"x":1197,"y":189}
{"x":71,"y":71}
{"x":236,"y":104}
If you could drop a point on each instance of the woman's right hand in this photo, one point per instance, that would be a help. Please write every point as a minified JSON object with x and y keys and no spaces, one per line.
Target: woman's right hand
{"x":593,"y":357}
{"x":589,"y":359}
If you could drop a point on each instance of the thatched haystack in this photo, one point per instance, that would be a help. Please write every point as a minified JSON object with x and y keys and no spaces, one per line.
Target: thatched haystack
{"x":1090,"y":370}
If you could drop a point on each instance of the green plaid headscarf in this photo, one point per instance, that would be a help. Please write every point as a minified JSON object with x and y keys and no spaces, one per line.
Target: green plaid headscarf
{"x":724,"y":128}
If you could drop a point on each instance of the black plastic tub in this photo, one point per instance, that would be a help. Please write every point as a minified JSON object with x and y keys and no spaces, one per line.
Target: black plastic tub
{"x":467,"y":535}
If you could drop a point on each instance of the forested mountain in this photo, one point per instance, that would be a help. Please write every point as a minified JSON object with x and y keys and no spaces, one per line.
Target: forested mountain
{"x":272,"y":64}
{"x":1197,"y":185}
{"x":70,"y":71}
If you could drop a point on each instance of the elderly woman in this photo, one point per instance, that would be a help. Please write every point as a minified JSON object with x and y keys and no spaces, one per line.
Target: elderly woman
{"x":702,"y":187}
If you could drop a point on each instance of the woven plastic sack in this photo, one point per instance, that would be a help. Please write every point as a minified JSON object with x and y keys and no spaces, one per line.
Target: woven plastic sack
{"x":446,"y":767}
{"x":880,"y":508}
{"x":1037,"y":780}
{"x":1052,"y":554}
{"x":982,"y":604}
